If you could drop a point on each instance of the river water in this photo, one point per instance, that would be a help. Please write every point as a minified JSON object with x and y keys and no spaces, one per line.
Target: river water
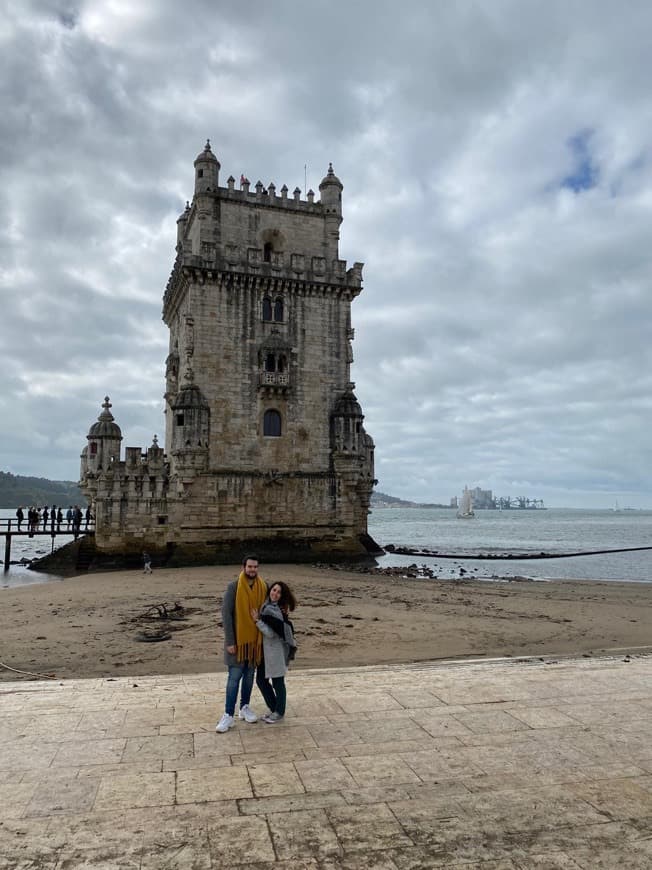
{"x":521,"y":532}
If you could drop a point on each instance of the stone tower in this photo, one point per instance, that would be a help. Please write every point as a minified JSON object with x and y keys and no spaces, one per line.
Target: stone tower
{"x":265,"y":446}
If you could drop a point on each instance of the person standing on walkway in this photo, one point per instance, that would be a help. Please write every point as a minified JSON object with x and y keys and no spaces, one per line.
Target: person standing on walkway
{"x":279,"y":648}
{"x":243,"y":643}
{"x":76,"y":520}
{"x":147,"y":563}
{"x":20,"y":516}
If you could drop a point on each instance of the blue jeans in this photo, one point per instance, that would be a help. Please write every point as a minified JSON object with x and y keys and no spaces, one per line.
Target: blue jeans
{"x":273,"y":691}
{"x":243,"y":671}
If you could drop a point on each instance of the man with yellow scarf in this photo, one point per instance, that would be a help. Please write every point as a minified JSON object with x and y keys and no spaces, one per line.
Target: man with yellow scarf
{"x":243,"y":642}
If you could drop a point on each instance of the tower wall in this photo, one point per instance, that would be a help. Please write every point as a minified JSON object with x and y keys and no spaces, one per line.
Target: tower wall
{"x":228,"y":335}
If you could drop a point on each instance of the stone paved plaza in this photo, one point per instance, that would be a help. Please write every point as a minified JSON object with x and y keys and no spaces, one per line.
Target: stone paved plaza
{"x":509,"y":764}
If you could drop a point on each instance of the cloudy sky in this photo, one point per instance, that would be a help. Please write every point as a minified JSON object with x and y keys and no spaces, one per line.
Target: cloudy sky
{"x":497,"y":171}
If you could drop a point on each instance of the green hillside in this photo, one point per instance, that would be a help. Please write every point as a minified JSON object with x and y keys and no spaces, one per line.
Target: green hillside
{"x":381,"y":499}
{"x":17,"y":490}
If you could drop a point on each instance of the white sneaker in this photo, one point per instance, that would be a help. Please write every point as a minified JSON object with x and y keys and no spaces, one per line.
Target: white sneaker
{"x":225,"y":723}
{"x":247,"y":714}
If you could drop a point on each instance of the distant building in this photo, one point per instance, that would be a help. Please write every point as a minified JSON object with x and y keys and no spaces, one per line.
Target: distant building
{"x":265,"y":446}
{"x":483,"y":498}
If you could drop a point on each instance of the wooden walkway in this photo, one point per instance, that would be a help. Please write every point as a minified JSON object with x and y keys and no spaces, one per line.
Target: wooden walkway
{"x":13,"y":529}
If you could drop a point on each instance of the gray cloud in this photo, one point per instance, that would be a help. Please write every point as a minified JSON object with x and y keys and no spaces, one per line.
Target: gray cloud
{"x":497,"y":174}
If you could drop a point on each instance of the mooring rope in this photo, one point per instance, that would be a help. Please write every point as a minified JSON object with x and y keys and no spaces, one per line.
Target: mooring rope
{"x":407,"y":551}
{"x":27,"y":673}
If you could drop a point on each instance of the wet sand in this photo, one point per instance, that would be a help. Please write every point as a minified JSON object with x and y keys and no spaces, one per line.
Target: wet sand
{"x":93,"y":625}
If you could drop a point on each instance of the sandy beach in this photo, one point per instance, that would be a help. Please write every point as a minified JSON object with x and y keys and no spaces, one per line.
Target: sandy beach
{"x":94,"y":625}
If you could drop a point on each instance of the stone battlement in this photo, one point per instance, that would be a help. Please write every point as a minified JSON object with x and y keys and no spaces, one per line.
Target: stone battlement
{"x":267,"y":196}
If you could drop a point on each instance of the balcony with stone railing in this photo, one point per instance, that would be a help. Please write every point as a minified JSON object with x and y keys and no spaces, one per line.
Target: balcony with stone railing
{"x":274,"y":381}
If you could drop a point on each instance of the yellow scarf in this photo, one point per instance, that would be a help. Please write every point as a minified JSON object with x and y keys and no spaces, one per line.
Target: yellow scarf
{"x":249,"y":640}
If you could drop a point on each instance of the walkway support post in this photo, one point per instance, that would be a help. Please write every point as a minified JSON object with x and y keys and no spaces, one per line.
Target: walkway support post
{"x":7,"y":550}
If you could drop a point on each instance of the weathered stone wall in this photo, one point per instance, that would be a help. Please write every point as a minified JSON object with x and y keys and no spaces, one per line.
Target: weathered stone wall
{"x":228,"y":334}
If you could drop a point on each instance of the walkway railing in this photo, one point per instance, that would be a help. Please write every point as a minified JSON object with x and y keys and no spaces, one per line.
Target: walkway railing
{"x":12,"y":528}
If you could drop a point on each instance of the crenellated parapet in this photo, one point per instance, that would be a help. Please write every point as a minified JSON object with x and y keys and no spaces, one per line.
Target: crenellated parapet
{"x":267,"y":197}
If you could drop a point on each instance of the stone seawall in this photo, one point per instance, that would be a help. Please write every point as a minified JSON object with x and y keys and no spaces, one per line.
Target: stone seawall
{"x":83,"y":555}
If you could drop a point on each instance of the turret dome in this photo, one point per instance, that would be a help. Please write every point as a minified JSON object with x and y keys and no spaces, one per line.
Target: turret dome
{"x":189,"y":396}
{"x":330,"y":178}
{"x":106,"y":427}
{"x":206,"y":156}
{"x":347,"y":406}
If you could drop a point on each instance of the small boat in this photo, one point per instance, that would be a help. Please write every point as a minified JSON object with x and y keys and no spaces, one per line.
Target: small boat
{"x":465,"y":510}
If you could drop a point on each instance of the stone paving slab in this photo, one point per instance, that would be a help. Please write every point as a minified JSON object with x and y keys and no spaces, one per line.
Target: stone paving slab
{"x":502,"y":765}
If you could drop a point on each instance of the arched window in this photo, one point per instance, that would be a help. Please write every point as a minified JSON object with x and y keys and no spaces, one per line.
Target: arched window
{"x":272,"y":424}
{"x":93,"y":446}
{"x":267,"y":308}
{"x":267,"y":252}
{"x":278,"y":310}
{"x":270,"y":363}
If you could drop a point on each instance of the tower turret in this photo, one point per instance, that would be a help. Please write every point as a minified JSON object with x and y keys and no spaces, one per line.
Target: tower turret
{"x":104,"y":438}
{"x":207,"y":170}
{"x":346,"y":424}
{"x":330,"y":190}
{"x":190,"y":426}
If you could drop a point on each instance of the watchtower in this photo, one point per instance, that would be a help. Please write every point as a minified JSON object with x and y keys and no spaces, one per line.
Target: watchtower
{"x":264,"y":437}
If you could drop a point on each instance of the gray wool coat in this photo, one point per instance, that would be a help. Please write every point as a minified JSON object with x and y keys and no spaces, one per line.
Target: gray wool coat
{"x":275,"y":650}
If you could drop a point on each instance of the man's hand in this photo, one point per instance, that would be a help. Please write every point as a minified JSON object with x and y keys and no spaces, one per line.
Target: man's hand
{"x":232,"y":650}
{"x":254,"y":614}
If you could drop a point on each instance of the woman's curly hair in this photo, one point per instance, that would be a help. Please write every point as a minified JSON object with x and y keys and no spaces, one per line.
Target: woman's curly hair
{"x":287,"y":601}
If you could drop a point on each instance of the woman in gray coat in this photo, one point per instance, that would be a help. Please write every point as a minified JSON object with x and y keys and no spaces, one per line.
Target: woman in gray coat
{"x":279,"y":648}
